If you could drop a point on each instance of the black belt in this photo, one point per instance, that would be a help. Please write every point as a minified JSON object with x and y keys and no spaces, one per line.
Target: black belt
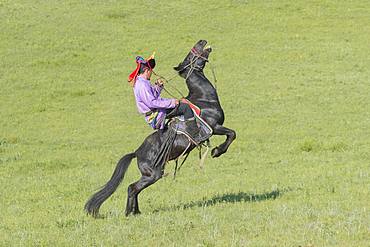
{"x":148,"y":113}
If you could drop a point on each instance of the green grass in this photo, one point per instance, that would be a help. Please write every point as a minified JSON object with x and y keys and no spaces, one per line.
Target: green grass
{"x":293,"y":78}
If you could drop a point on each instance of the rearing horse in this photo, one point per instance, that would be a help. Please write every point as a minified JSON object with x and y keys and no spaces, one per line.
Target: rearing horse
{"x":201,"y":93}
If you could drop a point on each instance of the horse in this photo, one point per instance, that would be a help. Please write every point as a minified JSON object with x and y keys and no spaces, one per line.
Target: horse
{"x":201,"y":93}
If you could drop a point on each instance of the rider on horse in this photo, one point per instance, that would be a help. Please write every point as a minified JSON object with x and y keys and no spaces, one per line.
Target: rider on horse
{"x":152,"y":105}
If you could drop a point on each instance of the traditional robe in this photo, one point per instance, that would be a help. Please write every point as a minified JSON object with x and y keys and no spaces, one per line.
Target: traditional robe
{"x":150,"y":104}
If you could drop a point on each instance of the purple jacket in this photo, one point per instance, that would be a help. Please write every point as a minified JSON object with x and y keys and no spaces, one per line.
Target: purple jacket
{"x":148,"y":99}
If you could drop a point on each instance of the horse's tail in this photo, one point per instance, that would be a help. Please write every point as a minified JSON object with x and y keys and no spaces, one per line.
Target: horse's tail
{"x":93,"y":204}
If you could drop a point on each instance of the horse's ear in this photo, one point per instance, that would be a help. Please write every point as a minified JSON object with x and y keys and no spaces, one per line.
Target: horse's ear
{"x":178,"y":67}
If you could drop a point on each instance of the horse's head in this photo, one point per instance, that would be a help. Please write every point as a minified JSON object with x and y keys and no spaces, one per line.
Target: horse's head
{"x":196,"y":59}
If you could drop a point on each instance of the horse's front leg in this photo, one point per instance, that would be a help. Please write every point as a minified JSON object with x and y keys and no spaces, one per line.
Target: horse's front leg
{"x":230,"y":137}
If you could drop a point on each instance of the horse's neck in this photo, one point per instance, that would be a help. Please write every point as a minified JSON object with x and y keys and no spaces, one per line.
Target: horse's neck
{"x":200,"y":88}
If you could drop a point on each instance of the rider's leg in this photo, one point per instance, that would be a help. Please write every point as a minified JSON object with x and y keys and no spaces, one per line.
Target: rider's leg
{"x":181,"y":109}
{"x":191,"y":125}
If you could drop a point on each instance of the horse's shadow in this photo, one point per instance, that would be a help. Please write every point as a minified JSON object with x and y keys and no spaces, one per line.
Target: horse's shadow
{"x":227,"y":198}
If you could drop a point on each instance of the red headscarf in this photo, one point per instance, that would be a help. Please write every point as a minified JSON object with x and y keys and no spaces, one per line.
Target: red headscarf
{"x":150,"y":62}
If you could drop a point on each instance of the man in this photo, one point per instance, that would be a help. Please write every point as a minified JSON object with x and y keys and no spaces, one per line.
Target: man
{"x":149,"y":102}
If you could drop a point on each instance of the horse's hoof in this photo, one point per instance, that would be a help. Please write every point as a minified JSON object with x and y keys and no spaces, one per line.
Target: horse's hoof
{"x":132,"y":213}
{"x":215,"y":152}
{"x":129,"y":213}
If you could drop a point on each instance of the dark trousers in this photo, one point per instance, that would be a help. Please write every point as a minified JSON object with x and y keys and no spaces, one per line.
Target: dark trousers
{"x":180,"y":109}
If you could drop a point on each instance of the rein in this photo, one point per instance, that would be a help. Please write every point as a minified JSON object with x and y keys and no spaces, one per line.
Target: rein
{"x":168,"y":80}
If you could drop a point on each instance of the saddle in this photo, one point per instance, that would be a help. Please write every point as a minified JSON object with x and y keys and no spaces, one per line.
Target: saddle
{"x":179,"y":125}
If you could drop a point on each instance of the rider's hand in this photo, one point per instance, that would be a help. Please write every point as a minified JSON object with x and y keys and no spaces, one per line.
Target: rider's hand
{"x":159,"y":82}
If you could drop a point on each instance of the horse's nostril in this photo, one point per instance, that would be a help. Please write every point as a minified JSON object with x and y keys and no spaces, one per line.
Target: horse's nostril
{"x":208,"y":48}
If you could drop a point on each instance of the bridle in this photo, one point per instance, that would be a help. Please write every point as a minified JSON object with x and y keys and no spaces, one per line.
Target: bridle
{"x":193,"y":66}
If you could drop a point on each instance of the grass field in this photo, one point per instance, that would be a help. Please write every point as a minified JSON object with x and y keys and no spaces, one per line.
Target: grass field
{"x":293,"y":79}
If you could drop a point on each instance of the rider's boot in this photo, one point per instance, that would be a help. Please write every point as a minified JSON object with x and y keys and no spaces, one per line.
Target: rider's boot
{"x":193,"y":129}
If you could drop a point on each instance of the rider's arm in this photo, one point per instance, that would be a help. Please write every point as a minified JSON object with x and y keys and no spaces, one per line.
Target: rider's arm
{"x":157,"y":90}
{"x":153,"y":101}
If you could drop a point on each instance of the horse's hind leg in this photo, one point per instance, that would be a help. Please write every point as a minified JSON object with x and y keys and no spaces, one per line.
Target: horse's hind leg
{"x":230,"y":137}
{"x":149,"y":176}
